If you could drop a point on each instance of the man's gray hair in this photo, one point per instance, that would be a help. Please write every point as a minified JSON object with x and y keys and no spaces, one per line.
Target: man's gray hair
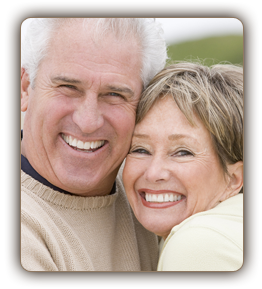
{"x":147,"y":31}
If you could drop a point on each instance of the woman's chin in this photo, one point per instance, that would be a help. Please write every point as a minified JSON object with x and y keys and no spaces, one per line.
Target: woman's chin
{"x":157,"y":225}
{"x":159,"y":218}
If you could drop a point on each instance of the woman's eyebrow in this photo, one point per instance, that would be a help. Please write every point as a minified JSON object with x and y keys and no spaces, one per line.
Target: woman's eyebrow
{"x":170,"y":137}
{"x":143,"y":136}
{"x":174,"y":137}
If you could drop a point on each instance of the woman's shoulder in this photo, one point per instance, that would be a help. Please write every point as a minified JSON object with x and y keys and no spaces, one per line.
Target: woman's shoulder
{"x":201,"y":249}
{"x":211,"y":240}
{"x":223,"y":217}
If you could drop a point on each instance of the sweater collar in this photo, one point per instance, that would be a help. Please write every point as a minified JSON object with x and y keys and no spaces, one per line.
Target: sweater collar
{"x":32,"y":187}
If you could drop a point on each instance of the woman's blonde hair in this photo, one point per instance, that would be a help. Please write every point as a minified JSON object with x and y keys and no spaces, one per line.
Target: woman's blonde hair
{"x":214,"y":94}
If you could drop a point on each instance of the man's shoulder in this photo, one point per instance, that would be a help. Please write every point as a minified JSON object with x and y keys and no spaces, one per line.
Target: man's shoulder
{"x":29,"y":199}
{"x":35,"y":211}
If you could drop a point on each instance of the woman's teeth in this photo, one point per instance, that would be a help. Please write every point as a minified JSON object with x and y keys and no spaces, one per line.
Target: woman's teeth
{"x":162,"y":198}
{"x":83,"y":146}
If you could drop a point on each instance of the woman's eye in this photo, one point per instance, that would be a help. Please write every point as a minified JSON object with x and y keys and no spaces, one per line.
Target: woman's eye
{"x":183,"y":153}
{"x":140,"y":151}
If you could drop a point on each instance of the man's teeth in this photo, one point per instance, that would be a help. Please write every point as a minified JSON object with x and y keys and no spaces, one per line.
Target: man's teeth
{"x":162,"y":198}
{"x":78,"y":144}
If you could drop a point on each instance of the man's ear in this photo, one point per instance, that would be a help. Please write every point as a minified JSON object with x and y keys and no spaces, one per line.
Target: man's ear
{"x":235,"y":181}
{"x":25,"y":83}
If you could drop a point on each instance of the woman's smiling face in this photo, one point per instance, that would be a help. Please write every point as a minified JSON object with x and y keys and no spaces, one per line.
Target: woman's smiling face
{"x":172,"y":170}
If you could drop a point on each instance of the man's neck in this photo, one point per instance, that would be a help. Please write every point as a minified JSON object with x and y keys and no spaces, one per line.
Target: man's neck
{"x":28,"y":169}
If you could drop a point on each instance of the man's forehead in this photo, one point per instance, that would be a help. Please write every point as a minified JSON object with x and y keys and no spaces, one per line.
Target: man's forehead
{"x":80,"y":58}
{"x":90,"y":31}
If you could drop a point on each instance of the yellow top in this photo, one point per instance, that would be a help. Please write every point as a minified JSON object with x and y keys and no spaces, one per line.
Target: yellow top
{"x":207,"y":241}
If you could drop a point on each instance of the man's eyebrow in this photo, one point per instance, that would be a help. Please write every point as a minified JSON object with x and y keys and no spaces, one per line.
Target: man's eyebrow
{"x":64,"y":79}
{"x":125,"y":90}
{"x":120,"y":89}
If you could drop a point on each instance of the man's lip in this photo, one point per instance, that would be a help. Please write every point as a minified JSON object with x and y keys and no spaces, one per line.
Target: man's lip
{"x":83,"y":139}
{"x":87,"y":153}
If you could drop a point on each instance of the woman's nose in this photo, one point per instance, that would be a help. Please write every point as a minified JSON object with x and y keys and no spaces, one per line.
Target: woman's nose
{"x":157,"y":171}
{"x":87,"y":114}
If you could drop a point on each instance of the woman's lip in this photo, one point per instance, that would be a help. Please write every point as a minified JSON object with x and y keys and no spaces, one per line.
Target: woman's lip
{"x":149,"y":191}
{"x":160,"y":205}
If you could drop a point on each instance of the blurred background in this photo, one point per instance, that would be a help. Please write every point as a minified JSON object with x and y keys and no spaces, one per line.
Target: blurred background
{"x":209,"y":40}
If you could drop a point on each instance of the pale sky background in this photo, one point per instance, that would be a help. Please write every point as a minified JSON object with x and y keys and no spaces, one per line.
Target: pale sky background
{"x":180,"y":29}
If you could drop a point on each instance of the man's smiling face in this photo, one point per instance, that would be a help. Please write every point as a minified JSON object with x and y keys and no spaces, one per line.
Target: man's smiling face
{"x":81,"y":111}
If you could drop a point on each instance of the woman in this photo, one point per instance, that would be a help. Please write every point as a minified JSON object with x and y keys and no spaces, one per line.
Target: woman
{"x":184,"y":171}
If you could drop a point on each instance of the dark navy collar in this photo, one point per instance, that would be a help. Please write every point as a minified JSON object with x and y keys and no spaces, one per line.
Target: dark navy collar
{"x":28,"y":169}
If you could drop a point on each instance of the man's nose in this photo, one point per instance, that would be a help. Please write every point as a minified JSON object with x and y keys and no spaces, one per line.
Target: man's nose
{"x":158,"y":170}
{"x":88,"y":115}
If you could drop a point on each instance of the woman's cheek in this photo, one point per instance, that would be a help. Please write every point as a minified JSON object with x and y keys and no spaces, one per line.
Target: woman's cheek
{"x":133,"y":171}
{"x":129,"y":171}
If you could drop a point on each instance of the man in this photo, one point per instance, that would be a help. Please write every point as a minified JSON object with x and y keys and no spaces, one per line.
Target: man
{"x":80,"y":84}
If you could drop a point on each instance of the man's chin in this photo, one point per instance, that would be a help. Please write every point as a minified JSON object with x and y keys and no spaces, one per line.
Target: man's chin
{"x":85,"y":182}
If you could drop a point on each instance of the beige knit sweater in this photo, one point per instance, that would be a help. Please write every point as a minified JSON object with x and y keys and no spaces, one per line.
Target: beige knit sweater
{"x":61,"y":232}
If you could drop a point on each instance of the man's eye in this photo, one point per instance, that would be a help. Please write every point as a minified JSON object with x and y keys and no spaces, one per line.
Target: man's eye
{"x":68,"y":86}
{"x":140,"y":151}
{"x":115,"y":94}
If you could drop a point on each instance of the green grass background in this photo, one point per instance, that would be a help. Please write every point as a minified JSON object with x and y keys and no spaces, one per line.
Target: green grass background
{"x":209,"y":50}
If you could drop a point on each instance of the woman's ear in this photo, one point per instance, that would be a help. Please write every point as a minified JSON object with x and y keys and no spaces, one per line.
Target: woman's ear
{"x":235,"y":181}
{"x":25,"y":83}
